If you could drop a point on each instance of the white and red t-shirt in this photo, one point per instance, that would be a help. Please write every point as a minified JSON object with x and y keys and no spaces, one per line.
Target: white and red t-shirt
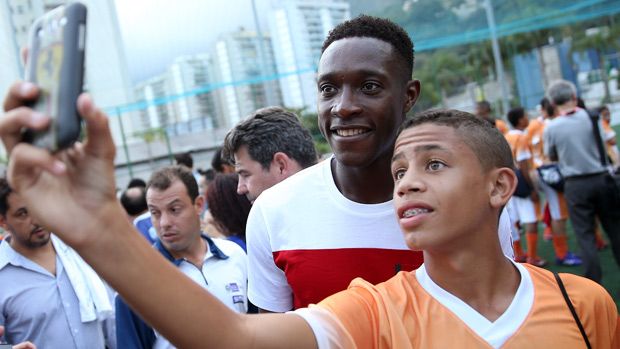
{"x":306,"y":241}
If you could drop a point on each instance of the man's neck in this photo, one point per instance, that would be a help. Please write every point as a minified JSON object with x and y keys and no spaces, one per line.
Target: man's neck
{"x":195,"y":254}
{"x":369,"y":185}
{"x":567,"y":108}
{"x":45,"y":255}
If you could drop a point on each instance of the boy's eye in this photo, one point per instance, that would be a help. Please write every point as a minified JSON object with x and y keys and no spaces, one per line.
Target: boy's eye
{"x":435,"y":165}
{"x":399,"y":174}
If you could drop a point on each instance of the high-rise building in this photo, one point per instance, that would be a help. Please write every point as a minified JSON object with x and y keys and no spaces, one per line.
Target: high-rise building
{"x":180,"y":99}
{"x":298,"y":29}
{"x":106,"y":76}
{"x":158,"y":111}
{"x":245,"y":74}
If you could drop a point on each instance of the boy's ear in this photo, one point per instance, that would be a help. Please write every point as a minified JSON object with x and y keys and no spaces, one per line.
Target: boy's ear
{"x":503,"y":184}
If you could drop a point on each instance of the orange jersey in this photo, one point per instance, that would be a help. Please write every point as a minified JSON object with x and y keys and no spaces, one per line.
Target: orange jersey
{"x":501,"y":126}
{"x":535,"y":139}
{"x":520,"y":146}
{"x":401,"y":313}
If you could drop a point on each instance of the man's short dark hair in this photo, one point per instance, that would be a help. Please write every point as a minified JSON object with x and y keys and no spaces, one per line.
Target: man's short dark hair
{"x":218,"y":162}
{"x":184,"y":159}
{"x":136,"y":182}
{"x":5,"y":191}
{"x":134,"y":200}
{"x":489,"y":145}
{"x":269,"y":131}
{"x":378,"y":28}
{"x":484,"y":105}
{"x":514,"y":115}
{"x":162,"y":179}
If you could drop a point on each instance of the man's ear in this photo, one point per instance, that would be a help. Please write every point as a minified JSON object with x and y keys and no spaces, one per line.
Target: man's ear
{"x":503,"y":184}
{"x":199,"y":203}
{"x":413,"y":90}
{"x":283,"y":163}
{"x":3,"y":223}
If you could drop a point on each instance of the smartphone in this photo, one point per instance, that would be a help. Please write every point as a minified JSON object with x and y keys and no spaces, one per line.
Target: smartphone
{"x":56,"y":64}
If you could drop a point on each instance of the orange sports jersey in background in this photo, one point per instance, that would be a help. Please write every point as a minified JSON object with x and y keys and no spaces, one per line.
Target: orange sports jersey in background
{"x":535,"y":131}
{"x":501,"y":126}
{"x":520,"y":146}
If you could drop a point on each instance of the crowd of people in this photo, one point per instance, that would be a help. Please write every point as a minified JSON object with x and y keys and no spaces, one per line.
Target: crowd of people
{"x":409,"y":228}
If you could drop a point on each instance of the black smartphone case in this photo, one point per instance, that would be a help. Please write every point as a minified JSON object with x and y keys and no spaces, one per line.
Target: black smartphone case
{"x":56,"y":65}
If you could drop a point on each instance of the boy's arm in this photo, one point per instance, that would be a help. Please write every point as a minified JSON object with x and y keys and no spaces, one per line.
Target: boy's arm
{"x":79,"y":183}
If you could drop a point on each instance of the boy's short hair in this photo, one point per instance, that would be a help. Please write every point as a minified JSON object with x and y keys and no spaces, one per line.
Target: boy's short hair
{"x":514,"y":115}
{"x":489,"y":145}
{"x":268,"y":131}
{"x":378,"y":28}
{"x":5,"y":191}
{"x":162,"y":179}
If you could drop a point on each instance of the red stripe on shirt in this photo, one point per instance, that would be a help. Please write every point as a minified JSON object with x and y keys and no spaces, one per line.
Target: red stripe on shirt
{"x":316,"y":274}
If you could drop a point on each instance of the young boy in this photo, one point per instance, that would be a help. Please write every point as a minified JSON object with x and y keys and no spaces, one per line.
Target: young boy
{"x":466,"y":286}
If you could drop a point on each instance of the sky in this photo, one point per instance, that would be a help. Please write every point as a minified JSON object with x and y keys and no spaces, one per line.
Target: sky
{"x":154,"y":32}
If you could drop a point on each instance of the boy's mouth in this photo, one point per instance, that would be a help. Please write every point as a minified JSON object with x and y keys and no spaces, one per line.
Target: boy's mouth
{"x":412,"y":212}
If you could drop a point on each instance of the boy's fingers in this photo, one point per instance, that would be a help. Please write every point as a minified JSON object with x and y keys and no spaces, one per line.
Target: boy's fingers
{"x":19,"y":93}
{"x":25,"y":162}
{"x":99,"y":138}
{"x":15,"y":120}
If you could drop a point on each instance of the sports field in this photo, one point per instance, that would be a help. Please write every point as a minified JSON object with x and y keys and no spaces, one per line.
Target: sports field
{"x":611,"y":272}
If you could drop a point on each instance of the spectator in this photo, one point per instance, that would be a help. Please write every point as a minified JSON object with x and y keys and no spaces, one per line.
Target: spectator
{"x":48,"y":295}
{"x":218,"y":266}
{"x":589,"y":192}
{"x":267,"y":147}
{"x":228,"y":209}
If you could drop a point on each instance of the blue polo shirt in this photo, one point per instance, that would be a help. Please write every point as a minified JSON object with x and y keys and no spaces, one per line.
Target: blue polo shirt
{"x":223,"y":274}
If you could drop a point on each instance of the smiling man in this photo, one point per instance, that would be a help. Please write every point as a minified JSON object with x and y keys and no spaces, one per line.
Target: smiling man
{"x":310,"y":235}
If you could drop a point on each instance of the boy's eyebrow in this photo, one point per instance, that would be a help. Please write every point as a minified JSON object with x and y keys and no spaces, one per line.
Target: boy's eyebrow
{"x":420,"y":149}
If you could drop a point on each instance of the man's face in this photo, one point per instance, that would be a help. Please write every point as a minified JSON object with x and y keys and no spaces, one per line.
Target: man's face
{"x":253,"y":178}
{"x":605,"y":115}
{"x":362,"y":99}
{"x":25,"y":231}
{"x":175,"y":217}
{"x":441,"y":192}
